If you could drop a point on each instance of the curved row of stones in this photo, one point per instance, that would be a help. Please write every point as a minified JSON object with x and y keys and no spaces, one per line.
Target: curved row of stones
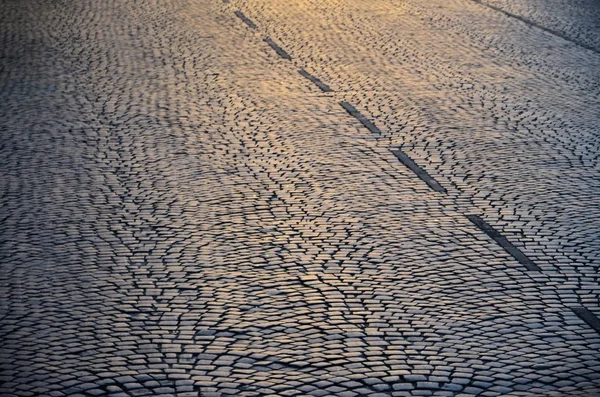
{"x":184,"y":214}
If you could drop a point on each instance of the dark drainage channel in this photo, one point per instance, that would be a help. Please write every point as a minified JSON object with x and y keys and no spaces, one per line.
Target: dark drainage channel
{"x":324,"y":87}
{"x":504,"y":243}
{"x":420,"y":172}
{"x":278,"y":49}
{"x":246,"y":20}
{"x":587,"y":316}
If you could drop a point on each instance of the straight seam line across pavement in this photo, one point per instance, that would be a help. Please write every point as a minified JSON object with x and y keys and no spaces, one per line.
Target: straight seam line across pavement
{"x":280,"y":51}
{"x":315,"y":80}
{"x":246,"y":20}
{"x":420,"y":172}
{"x":587,"y":316}
{"x":536,"y":25}
{"x":503,"y":242}
{"x":358,"y":115}
{"x":324,"y":87}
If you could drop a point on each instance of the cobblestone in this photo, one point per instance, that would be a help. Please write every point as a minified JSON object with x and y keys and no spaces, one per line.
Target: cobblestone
{"x":187,"y":209}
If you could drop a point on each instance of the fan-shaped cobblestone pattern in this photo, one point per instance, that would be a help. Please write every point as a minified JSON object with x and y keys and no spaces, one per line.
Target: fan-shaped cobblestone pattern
{"x":184,"y":213}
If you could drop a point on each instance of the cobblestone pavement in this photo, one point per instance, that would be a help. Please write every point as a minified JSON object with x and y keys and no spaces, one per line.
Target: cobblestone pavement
{"x":300,"y":198}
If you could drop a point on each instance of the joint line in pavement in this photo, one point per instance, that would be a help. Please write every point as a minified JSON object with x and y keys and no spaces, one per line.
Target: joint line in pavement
{"x":246,"y":20}
{"x":278,"y":49}
{"x":357,"y":115}
{"x":587,"y":316}
{"x":324,"y":87}
{"x":420,"y":172}
{"x":503,"y":242}
{"x":536,"y":25}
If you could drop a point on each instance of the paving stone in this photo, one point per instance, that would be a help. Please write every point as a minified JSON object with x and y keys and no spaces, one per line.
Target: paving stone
{"x":183,"y":212}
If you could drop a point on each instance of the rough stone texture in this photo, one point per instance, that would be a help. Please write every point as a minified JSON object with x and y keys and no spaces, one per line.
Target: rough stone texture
{"x":577,"y":21}
{"x":183,"y":213}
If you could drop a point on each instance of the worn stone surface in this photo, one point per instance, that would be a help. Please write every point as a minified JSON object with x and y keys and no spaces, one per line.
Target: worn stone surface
{"x":184,"y":213}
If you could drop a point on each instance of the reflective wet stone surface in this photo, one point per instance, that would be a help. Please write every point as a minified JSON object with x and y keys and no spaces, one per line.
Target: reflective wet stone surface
{"x":188,"y":210}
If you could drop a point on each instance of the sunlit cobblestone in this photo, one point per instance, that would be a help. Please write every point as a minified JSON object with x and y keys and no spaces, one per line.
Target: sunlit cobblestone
{"x":187,"y":209}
